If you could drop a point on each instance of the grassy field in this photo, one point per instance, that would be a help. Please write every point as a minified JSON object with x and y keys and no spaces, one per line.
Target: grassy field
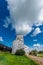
{"x":9,"y":59}
{"x":40,"y":55}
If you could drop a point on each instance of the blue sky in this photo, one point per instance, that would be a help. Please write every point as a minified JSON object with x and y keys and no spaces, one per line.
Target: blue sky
{"x":12,"y":22}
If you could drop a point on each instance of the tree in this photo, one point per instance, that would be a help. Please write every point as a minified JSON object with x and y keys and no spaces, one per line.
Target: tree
{"x":20,"y":52}
{"x":34,"y":52}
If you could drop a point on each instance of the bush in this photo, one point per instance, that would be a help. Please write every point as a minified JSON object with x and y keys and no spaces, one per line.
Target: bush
{"x":33,"y":52}
{"x":20,"y":52}
{"x":40,"y":52}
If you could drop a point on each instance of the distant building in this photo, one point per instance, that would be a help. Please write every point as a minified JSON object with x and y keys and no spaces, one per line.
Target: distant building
{"x":19,"y":44}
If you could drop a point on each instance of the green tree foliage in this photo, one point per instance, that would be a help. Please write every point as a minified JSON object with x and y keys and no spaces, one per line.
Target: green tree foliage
{"x":40,"y":52}
{"x":34,"y":52}
{"x":20,"y":52}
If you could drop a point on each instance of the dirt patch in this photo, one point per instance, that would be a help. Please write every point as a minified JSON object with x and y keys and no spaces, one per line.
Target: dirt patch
{"x":38,"y":60}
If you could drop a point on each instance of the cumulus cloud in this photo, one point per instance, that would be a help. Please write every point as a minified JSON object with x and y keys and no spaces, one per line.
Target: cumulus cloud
{"x":38,"y":46}
{"x":6,"y":22}
{"x":1,"y":39}
{"x":40,"y":18}
{"x":35,"y":40}
{"x":36,"y":31}
{"x":23,"y":29}
{"x":24,"y":14}
{"x":41,"y":15}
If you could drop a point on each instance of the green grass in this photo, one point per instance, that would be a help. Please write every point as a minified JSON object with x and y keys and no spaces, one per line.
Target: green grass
{"x":9,"y":59}
{"x":40,"y":55}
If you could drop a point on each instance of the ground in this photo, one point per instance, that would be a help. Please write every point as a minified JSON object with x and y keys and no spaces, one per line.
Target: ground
{"x":9,"y":59}
{"x":37,"y":59}
{"x":40,"y":55}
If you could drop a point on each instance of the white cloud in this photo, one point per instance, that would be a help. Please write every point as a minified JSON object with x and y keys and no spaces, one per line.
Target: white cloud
{"x":40,"y":18}
{"x":36,"y":31}
{"x":23,"y":29}
{"x":38,"y":46}
{"x":1,"y":39}
{"x":24,"y":14}
{"x":6,"y":22}
{"x":41,"y":15}
{"x":35,"y":40}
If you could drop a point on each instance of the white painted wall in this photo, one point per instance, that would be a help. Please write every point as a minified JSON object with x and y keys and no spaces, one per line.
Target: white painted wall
{"x":17,"y":44}
{"x":26,"y":49}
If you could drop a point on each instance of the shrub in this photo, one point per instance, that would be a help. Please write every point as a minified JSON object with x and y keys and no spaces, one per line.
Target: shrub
{"x":40,"y":52}
{"x":20,"y":52}
{"x":33,"y":52}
